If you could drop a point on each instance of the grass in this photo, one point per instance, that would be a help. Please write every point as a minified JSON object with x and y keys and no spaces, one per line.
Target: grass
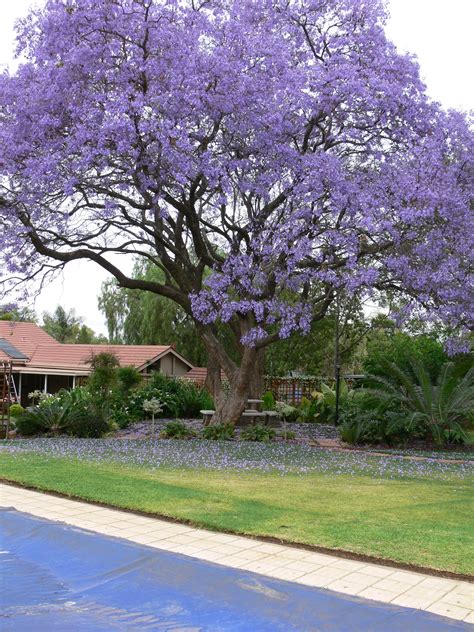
{"x":422,"y":520}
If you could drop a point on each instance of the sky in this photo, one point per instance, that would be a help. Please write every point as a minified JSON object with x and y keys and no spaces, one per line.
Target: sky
{"x":438,"y":32}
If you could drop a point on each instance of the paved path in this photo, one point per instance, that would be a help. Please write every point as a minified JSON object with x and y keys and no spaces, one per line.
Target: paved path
{"x":447,"y":597}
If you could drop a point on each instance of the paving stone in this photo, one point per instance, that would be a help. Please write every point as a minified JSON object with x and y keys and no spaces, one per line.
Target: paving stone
{"x":447,"y":610}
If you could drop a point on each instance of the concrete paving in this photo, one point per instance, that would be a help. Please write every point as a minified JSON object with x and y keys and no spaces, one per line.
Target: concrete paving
{"x":447,"y":597}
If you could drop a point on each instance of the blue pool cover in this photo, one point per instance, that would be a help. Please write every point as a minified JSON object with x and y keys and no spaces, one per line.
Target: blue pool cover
{"x":60,"y":578}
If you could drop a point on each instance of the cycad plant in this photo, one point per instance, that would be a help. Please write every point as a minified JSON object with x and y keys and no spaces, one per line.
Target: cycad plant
{"x":441,"y":406}
{"x":52,"y":417}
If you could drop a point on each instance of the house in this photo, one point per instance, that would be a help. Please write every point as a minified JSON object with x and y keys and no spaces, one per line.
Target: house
{"x":39,"y":362}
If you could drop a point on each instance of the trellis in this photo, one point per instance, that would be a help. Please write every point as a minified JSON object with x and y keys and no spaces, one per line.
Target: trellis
{"x":292,"y":389}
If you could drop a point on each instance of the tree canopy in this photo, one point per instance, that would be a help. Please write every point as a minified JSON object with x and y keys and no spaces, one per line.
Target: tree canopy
{"x":285,"y":146}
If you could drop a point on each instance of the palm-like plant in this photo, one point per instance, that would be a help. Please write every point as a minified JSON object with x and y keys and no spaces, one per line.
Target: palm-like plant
{"x":51,"y":417}
{"x":441,"y":406}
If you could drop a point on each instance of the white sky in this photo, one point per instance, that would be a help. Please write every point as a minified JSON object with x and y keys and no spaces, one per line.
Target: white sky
{"x":437,"y":31}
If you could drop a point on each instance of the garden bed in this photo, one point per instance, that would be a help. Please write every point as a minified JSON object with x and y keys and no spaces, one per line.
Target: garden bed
{"x":304,"y":432}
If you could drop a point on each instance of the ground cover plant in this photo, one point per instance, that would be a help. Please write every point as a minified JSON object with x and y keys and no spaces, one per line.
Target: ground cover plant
{"x":176,"y":430}
{"x":406,"y":510}
{"x":222,"y":432}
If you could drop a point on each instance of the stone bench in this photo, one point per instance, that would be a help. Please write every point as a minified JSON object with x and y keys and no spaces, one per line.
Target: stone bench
{"x":267,"y":416}
{"x":206,"y":416}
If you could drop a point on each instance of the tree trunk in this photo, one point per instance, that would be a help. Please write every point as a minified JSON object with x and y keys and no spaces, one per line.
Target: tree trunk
{"x":231,"y":400}
{"x":257,"y":376}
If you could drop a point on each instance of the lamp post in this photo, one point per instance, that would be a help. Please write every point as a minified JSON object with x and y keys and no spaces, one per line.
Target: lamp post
{"x":338,"y":392}
{"x":337,"y":360}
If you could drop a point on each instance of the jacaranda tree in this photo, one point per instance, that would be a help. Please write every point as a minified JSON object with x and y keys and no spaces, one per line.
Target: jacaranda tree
{"x":263,"y":154}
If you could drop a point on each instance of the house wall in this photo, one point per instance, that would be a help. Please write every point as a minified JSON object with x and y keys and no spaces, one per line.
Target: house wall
{"x":180,"y":367}
{"x":171,"y":365}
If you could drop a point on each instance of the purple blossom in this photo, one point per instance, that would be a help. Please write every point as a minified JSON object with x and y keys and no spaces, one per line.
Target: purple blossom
{"x":279,"y":145}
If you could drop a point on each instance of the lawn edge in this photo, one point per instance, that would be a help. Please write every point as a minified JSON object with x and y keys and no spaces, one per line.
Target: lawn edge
{"x":350,"y":555}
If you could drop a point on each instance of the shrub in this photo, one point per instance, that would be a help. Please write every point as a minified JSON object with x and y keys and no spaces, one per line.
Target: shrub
{"x":177,"y":430}
{"x":440,"y":407}
{"x":104,"y":373}
{"x":403,"y":349}
{"x":308,"y":410}
{"x":52,"y":417}
{"x":130,"y":408}
{"x":363,"y":422}
{"x":352,"y":430}
{"x":28,"y":424}
{"x":16,"y":410}
{"x":89,"y":426}
{"x":193,"y":398}
{"x":128,"y":378}
{"x":180,"y":398}
{"x":219,"y":432}
{"x":287,"y":412}
{"x":258,"y":433}
{"x":326,"y":401}
{"x":72,"y":412}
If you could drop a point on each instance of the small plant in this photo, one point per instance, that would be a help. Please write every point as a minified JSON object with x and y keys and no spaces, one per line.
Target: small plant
{"x":287,"y":435}
{"x":177,"y":430}
{"x":258,"y":433}
{"x":153,"y":406}
{"x":16,"y":410}
{"x":219,"y":432}
{"x":36,"y":396}
{"x":268,"y":401}
{"x":352,"y":431}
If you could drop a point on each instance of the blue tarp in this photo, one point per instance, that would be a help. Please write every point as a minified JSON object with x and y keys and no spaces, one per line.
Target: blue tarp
{"x":60,"y":578}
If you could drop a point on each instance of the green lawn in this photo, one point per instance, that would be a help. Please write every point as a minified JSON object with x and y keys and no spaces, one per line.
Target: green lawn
{"x":423,"y":520}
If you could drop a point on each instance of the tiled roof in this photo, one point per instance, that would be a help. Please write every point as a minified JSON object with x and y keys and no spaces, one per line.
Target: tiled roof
{"x":44,"y":352}
{"x":198,"y":374}
{"x":25,"y":336}
{"x":74,"y":356}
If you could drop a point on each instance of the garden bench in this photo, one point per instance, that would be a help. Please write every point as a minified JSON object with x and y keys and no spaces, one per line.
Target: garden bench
{"x":206,"y":416}
{"x":255,"y":404}
{"x":251,"y":415}
{"x":270,"y":416}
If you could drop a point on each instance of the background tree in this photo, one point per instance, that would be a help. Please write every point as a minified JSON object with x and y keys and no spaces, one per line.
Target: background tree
{"x":22,"y":314}
{"x":136,"y":317}
{"x":67,"y":327}
{"x":285,"y":146}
